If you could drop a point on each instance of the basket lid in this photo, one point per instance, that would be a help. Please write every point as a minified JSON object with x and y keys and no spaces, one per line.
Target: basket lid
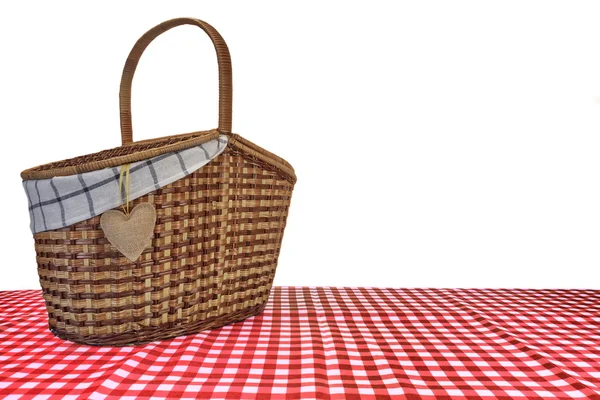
{"x":125,"y":154}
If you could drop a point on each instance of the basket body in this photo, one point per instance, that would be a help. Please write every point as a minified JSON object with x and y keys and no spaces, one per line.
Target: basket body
{"x":211,"y":262}
{"x":212,"y":254}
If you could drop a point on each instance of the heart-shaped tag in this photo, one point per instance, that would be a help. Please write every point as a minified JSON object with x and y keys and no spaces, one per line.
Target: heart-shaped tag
{"x":130,"y":234}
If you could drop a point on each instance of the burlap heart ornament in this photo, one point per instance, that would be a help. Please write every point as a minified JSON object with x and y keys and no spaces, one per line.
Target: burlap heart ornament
{"x":130,"y":233}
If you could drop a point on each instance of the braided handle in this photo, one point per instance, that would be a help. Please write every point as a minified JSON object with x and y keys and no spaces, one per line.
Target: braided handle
{"x":223,"y":59}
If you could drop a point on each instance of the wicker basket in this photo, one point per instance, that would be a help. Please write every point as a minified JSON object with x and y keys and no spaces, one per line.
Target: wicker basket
{"x":215,"y":244}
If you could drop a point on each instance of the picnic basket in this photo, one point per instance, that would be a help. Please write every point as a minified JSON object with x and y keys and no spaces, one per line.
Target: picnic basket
{"x":212,"y":254}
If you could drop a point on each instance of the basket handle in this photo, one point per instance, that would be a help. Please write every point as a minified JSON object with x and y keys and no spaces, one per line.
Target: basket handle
{"x":223,"y":59}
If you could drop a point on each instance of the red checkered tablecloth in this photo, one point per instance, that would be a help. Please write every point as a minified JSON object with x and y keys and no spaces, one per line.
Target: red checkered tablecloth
{"x":326,"y":342}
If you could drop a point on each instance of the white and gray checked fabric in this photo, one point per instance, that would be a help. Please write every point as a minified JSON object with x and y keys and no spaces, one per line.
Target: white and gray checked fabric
{"x":65,"y":200}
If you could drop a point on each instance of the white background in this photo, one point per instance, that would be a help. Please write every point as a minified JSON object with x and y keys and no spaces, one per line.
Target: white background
{"x":437,"y":144}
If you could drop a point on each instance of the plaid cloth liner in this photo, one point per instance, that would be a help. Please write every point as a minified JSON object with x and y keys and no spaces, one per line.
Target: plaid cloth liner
{"x":322,"y":343}
{"x":65,"y":200}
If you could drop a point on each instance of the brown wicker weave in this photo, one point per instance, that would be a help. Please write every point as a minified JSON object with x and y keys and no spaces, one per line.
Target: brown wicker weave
{"x":215,"y":246}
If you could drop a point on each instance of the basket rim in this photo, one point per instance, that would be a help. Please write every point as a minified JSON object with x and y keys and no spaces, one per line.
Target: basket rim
{"x":105,"y":158}
{"x":182,"y":141}
{"x":253,"y":150}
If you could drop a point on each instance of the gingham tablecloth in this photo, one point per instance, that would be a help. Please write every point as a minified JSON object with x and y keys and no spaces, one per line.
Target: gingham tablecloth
{"x":341,"y":343}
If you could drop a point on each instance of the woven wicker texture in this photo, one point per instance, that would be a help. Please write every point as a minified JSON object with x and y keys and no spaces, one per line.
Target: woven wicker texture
{"x":215,"y":246}
{"x":212,"y":260}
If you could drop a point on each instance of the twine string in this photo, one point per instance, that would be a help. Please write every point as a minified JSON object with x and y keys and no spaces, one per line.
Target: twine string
{"x":124,"y":174}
